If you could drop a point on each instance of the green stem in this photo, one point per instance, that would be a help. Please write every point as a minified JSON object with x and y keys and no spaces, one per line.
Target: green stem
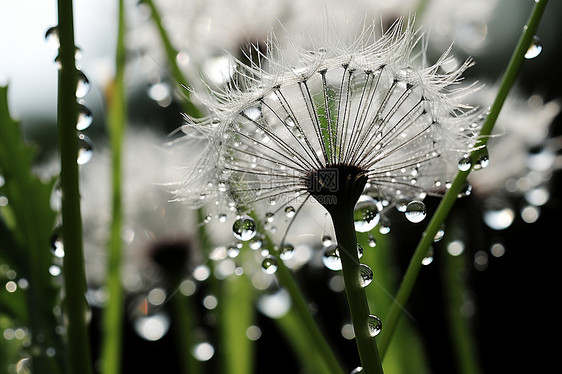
{"x":183,"y":313}
{"x":447,"y":203}
{"x":73,"y":266}
{"x":356,"y":297}
{"x":117,"y":113}
{"x":171,"y":55}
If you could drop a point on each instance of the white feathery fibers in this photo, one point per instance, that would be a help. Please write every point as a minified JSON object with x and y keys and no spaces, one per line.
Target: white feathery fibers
{"x":372,"y":104}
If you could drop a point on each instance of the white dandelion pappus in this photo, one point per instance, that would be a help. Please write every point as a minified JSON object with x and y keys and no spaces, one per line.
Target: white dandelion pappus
{"x":370,"y":111}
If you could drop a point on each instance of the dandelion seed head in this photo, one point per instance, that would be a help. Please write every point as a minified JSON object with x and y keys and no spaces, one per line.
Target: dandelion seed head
{"x":371,"y":111}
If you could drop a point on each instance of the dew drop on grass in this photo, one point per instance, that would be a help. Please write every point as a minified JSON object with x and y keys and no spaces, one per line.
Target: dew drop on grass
{"x":244,"y":228}
{"x":83,"y":85}
{"x":357,"y":370}
{"x":374,"y":324}
{"x":372,"y":241}
{"x":331,"y":257}
{"x":482,"y":159}
{"x":84,"y":118}
{"x":269,"y":265}
{"x":535,"y":48}
{"x":365,"y":275}
{"x":415,"y":211}
{"x":85,"y":149}
{"x":366,"y":213}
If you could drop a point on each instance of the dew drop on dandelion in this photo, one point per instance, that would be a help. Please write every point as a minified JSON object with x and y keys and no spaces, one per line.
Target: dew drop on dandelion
{"x":244,"y":228}
{"x":465,"y":163}
{"x":365,"y":275}
{"x":366,"y":214}
{"x":415,"y":211}
{"x":269,"y":265}
{"x":535,"y":48}
{"x":286,"y":252}
{"x":331,"y":257}
{"x":374,"y":325}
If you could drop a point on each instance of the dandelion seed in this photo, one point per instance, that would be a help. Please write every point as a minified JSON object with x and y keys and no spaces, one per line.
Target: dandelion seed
{"x":370,"y":112}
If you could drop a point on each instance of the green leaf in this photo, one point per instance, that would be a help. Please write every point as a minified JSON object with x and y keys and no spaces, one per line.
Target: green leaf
{"x":29,"y":218}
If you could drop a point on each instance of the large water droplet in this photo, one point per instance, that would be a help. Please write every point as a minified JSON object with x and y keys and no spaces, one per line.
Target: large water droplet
{"x":84,"y":118}
{"x":465,"y":163}
{"x":52,"y":37}
{"x":269,"y":265}
{"x":244,"y":228}
{"x":415,"y":211}
{"x":331,"y":257}
{"x":286,"y":252}
{"x":85,"y":149}
{"x":535,"y":48}
{"x":365,"y":275}
{"x":374,"y":324}
{"x":83,"y":85}
{"x":366,"y":214}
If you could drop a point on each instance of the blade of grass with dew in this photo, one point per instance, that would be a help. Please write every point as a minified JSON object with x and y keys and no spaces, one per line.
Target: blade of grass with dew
{"x":450,"y":197}
{"x":406,"y":355}
{"x":171,"y":55}
{"x":454,"y":286}
{"x":117,"y":118}
{"x":29,"y":218}
{"x":236,"y":314}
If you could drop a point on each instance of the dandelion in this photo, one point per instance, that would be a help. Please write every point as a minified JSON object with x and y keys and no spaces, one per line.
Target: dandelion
{"x":344,"y":121}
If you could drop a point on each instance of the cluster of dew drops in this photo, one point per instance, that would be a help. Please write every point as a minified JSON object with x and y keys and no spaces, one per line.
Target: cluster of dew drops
{"x":83,"y":86}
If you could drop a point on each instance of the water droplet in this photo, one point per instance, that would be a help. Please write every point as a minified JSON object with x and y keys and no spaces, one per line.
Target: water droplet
{"x":289,"y":122}
{"x":415,"y":211}
{"x":384,"y":229}
{"x":57,"y":247}
{"x":359,"y":251}
{"x":203,"y":351}
{"x":286,"y":252}
{"x":274,"y":305}
{"x":253,"y":112}
{"x":465,"y":163}
{"x":85,"y":149}
{"x":465,"y":191}
{"x":374,"y":324}
{"x":535,"y":48}
{"x":52,"y":37}
{"x":428,"y":259}
{"x":290,"y":211}
{"x":372,"y":241}
{"x":357,"y":370}
{"x":366,"y":213}
{"x":84,"y":118}
{"x":439,"y":234}
{"x":482,"y":159}
{"x":83,"y":85}
{"x":326,"y":240}
{"x":331,"y":257}
{"x":152,"y":328}
{"x":269,"y":265}
{"x":500,"y":218}
{"x":365,"y":275}
{"x":232,"y":251}
{"x":244,"y":228}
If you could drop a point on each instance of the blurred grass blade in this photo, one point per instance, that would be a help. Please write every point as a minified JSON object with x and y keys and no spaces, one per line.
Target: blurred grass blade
{"x":117,"y":118}
{"x":29,"y":219}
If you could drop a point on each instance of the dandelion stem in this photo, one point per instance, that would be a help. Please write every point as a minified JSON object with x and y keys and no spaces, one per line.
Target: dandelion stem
{"x":356,"y":297}
{"x":449,"y":199}
{"x":117,"y":111}
{"x":172,"y":55}
{"x":78,"y":354}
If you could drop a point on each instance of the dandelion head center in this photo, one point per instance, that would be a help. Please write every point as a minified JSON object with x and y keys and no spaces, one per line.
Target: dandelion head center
{"x":336,"y":186}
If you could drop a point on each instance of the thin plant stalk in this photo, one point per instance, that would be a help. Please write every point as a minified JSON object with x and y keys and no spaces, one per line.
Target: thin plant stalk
{"x":117,"y":117}
{"x":356,"y":297}
{"x":450,"y":197}
{"x":78,"y":353}
{"x":171,"y":55}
